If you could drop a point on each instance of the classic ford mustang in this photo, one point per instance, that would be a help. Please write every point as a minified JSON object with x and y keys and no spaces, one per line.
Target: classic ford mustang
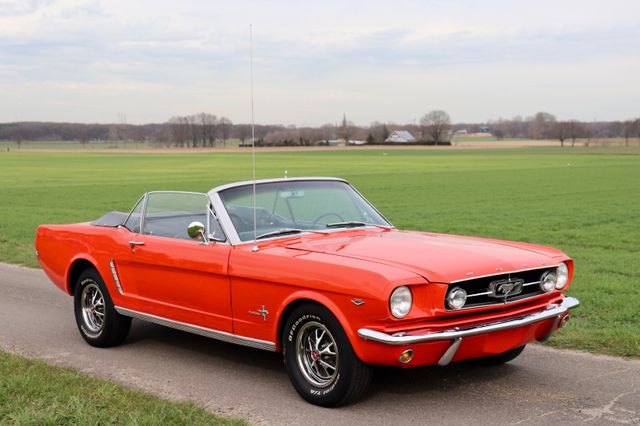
{"x":307,"y":267}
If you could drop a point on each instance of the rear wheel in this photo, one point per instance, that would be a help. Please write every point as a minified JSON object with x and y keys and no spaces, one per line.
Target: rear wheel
{"x":499,"y":358}
{"x":319,"y":358}
{"x":99,"y":323}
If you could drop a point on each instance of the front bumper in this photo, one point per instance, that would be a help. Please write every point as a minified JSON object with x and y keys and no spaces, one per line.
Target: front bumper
{"x":554,"y":310}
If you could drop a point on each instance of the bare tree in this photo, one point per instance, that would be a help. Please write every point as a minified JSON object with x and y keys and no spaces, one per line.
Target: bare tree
{"x":637,"y":128}
{"x":561,"y":131}
{"x":179,"y":130}
{"x":225,"y":129}
{"x":242,"y":131}
{"x":195,"y":130}
{"x":346,"y":129}
{"x":84,"y":138}
{"x":209,"y":123}
{"x":328,"y":132}
{"x":541,"y":125}
{"x":575,"y":131}
{"x":436,"y":125}
{"x":378,"y":131}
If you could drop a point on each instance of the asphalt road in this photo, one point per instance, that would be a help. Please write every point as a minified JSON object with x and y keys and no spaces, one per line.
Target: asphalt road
{"x":543,"y":386}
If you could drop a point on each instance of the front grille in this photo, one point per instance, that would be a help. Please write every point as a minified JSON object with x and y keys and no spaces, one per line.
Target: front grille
{"x":479,"y":292}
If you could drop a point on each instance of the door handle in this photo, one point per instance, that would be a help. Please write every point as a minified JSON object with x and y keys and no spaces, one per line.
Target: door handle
{"x":133,"y":244}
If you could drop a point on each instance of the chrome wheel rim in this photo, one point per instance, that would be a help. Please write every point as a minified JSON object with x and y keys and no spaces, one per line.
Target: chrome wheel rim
{"x":92,"y":303}
{"x":317,"y":354}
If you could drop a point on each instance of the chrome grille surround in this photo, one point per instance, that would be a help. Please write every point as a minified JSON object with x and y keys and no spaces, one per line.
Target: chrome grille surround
{"x":501,"y":288}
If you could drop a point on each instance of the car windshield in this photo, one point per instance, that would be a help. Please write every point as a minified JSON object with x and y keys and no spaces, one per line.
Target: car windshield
{"x":287,"y":208}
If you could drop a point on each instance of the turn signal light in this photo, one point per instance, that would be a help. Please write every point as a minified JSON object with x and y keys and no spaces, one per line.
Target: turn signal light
{"x":406,"y":356}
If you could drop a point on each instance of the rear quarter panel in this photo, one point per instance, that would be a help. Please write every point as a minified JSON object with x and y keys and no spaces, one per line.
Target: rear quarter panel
{"x":59,"y":246}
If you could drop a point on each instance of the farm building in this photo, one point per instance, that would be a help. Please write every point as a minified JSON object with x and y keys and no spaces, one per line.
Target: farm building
{"x":400,"y":136}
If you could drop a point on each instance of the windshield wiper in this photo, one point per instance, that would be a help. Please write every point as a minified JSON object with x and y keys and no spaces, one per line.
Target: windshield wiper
{"x":354,"y":224}
{"x":286,"y":231}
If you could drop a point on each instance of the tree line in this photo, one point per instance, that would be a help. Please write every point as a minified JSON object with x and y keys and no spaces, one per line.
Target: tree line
{"x":208,"y":130}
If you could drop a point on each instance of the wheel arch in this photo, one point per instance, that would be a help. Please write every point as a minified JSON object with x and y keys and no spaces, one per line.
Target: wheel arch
{"x":302,"y":298}
{"x":78,"y":265}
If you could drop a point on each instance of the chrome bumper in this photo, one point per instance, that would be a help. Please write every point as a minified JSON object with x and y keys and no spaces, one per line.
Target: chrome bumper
{"x":554,"y":310}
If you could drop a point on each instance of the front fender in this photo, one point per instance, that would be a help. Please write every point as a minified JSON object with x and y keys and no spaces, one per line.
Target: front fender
{"x":349,"y":315}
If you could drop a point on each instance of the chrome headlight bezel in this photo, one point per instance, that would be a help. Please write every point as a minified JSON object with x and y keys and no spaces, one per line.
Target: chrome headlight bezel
{"x":548,"y":281}
{"x":400,"y":302}
{"x":562,"y":274}
{"x":455,"y":296}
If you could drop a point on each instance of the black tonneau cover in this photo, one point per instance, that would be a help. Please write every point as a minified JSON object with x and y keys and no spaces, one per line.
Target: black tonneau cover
{"x":111,"y":219}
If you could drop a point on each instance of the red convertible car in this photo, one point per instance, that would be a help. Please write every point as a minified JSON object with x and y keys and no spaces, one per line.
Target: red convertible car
{"x":307,"y":267}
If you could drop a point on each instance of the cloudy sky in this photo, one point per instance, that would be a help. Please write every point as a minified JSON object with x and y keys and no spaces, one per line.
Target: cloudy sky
{"x":147,"y":60}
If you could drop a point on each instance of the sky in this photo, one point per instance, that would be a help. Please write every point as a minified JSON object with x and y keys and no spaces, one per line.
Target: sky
{"x":144,"y":61}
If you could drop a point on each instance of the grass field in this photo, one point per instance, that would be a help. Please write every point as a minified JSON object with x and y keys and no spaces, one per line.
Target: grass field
{"x":35,"y":393}
{"x":585,"y":201}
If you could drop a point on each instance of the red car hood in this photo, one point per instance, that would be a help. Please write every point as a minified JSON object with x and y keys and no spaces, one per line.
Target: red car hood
{"x":437,"y":257}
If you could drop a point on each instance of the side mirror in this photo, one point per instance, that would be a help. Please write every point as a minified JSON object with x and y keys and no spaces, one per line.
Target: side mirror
{"x":195,"y":230}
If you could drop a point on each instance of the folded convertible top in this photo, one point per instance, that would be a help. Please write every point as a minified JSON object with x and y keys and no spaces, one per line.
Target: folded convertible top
{"x":111,"y":219}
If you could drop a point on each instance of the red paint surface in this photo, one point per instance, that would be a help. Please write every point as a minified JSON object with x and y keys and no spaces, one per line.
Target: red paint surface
{"x":216,"y":286}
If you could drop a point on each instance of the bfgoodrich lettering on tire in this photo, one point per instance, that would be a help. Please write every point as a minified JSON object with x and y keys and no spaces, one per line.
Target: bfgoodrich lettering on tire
{"x":99,"y":323}
{"x":320,"y":360}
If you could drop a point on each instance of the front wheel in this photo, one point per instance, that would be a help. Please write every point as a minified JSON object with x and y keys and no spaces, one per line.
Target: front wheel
{"x":99,"y":323}
{"x":319,"y":358}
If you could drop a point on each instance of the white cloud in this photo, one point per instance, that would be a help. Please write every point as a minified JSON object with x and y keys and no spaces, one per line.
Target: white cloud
{"x":372,"y":59}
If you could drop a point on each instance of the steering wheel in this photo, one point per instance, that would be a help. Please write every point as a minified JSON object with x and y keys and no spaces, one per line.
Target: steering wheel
{"x":327,"y":214}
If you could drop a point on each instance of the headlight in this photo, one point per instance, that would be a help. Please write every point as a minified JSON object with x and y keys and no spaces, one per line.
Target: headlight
{"x":400,"y":302}
{"x":457,"y":298}
{"x":562,"y":273}
{"x":548,"y":281}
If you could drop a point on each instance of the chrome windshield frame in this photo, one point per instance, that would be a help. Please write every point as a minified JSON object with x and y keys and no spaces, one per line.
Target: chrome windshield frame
{"x":230,"y":230}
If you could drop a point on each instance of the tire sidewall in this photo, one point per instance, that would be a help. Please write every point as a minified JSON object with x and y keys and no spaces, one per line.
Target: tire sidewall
{"x":333,"y":393}
{"x":92,"y":277}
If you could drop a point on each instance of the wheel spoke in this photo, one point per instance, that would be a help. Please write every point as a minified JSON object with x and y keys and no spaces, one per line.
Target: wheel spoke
{"x":326,"y":365}
{"x":326,"y":350}
{"x":317,"y":354}
{"x":93,"y":307}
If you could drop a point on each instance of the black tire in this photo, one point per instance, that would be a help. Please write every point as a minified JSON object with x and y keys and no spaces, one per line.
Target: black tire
{"x":499,"y":358}
{"x":346,"y":382}
{"x":113,"y":328}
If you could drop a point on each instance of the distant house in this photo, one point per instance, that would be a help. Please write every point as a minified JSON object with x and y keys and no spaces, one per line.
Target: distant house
{"x":400,"y":136}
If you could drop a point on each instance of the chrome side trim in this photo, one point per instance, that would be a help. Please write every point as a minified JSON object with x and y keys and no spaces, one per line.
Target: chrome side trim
{"x":553,"y":310}
{"x":196,"y":329}
{"x":505,"y":273}
{"x":115,"y":276}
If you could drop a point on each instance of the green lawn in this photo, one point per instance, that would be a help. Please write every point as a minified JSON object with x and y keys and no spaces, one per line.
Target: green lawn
{"x":585,"y":201}
{"x":35,"y":393}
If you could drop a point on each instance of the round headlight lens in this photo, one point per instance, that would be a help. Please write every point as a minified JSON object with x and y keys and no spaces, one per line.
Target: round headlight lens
{"x":400,"y":302}
{"x":548,"y":281}
{"x":457,"y":298}
{"x":563,"y":276}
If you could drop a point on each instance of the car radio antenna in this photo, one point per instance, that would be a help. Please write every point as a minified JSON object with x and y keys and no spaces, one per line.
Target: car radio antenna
{"x":253,"y":142}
